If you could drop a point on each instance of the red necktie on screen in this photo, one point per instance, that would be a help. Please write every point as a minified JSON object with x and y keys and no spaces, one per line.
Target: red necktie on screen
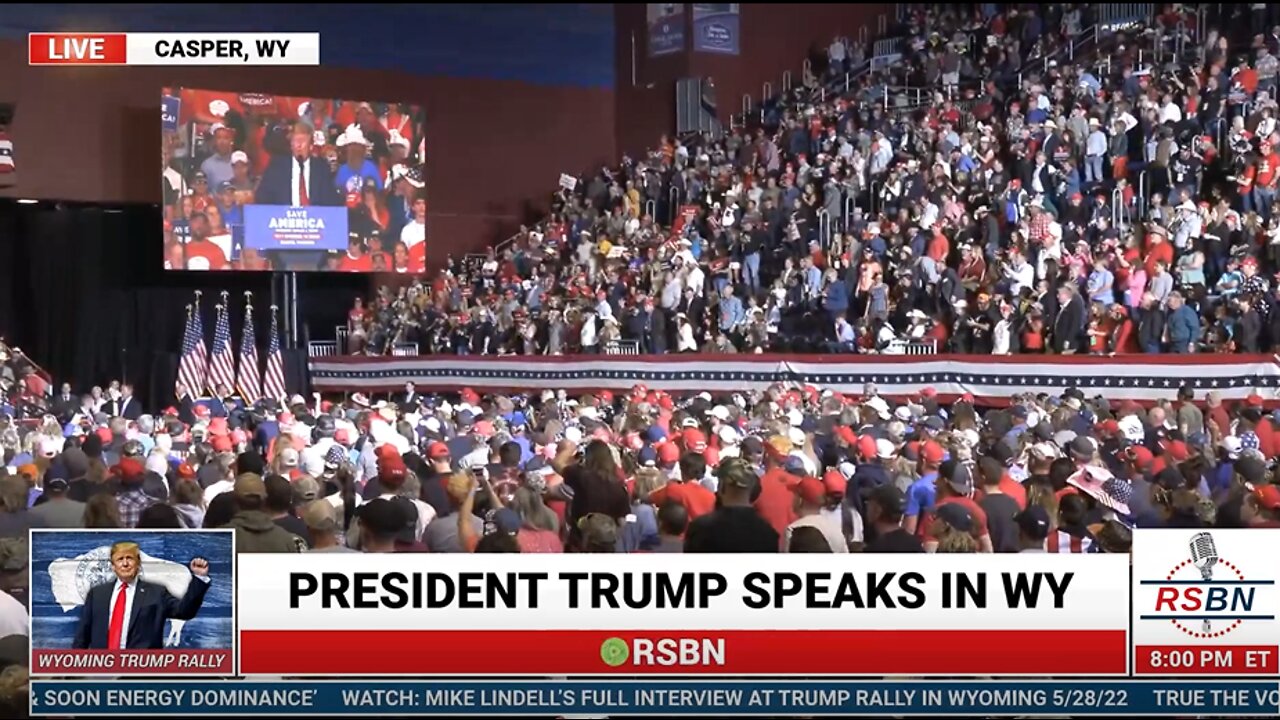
{"x":302,"y":183}
{"x":117,"y":620}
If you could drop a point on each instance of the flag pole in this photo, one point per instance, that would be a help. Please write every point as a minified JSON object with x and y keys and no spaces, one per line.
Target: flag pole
{"x":191,"y":312}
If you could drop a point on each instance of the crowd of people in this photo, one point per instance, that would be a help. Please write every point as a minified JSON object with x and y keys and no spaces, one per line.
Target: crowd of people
{"x":1086,"y":211}
{"x":1047,"y":181}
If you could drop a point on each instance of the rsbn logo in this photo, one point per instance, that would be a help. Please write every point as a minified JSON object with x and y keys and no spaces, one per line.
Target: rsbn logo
{"x":662,"y":652}
{"x":1216,"y":603}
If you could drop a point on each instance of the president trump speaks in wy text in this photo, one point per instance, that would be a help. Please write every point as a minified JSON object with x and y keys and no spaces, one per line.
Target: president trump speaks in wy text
{"x":129,"y":614}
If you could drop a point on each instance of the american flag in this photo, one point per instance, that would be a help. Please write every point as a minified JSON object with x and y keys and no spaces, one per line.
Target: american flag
{"x":7,"y":165}
{"x":222,"y":363}
{"x":195,"y":357}
{"x":248,"y":381}
{"x":273,"y":378}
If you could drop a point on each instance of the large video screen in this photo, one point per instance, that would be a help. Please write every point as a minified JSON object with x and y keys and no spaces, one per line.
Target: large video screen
{"x":272,"y":182}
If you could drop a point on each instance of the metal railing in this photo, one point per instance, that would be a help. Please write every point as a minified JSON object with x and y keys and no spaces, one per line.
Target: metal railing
{"x":404,"y":349}
{"x":342,"y":334}
{"x":1114,"y":15}
{"x":912,"y":347}
{"x":322,"y":348}
{"x":622,"y":347}
{"x":673,"y":202}
{"x":746,"y":104}
{"x":850,"y":202}
{"x":824,"y":229}
{"x":888,"y":46}
{"x":651,"y":209}
{"x":766,"y":92}
{"x":1119,"y":210}
{"x":786,"y":80}
{"x":1140,"y":201}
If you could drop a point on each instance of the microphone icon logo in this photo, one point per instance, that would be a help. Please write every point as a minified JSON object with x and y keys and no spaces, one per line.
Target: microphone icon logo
{"x":1204,"y":555}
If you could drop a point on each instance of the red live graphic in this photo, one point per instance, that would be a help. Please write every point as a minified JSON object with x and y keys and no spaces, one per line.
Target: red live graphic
{"x":77,"y":49}
{"x":1211,"y":659}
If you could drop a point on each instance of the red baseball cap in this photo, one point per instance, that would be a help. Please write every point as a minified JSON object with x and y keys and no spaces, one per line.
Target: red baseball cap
{"x":437,"y":451}
{"x":867,"y":447}
{"x":1142,"y":457}
{"x":1254,"y":400}
{"x":221,"y":443}
{"x":845,"y":433}
{"x":834,"y":482}
{"x":694,"y":440}
{"x":668,"y":453}
{"x":810,"y":489}
{"x":931,"y":452}
{"x":1176,"y":449}
{"x":1268,"y":496}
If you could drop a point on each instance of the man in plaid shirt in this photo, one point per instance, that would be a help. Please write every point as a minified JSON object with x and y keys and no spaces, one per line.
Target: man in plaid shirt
{"x":130,"y":498}
{"x":1038,"y":226}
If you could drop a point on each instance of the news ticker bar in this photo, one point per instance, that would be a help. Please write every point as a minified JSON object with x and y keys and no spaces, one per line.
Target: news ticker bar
{"x":173,"y":49}
{"x":655,"y":697}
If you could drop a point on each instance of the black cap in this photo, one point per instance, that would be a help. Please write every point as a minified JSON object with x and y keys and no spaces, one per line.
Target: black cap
{"x":385,"y":517}
{"x":955,"y":515}
{"x":960,"y":478}
{"x":892,"y":501}
{"x":1251,"y":469}
{"x":1170,"y":478}
{"x":1081,"y":448}
{"x":1034,"y":522}
{"x":1001,"y":452}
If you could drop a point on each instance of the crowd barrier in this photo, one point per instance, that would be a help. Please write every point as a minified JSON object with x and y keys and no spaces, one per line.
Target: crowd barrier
{"x":990,"y":379}
{"x":1112,"y":15}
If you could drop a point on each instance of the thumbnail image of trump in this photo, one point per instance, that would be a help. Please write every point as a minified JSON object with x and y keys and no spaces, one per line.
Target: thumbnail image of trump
{"x":129,"y":613}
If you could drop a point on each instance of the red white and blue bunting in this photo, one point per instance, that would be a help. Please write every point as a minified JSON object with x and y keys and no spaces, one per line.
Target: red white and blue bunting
{"x":990,"y":379}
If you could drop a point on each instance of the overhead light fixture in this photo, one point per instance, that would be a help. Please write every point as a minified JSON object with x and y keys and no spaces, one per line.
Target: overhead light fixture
{"x":27,"y":201}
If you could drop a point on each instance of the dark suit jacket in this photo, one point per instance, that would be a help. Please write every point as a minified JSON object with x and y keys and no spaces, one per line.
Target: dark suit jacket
{"x":276,"y":186}
{"x":1069,"y":326}
{"x":152,"y":605}
{"x":64,"y":409}
{"x":131,"y":411}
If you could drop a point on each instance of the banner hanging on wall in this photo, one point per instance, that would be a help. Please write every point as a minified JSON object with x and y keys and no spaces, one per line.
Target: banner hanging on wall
{"x":666,"y":28}
{"x":716,"y":28}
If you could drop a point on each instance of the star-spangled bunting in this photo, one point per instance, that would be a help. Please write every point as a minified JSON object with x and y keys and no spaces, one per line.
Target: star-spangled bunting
{"x":1140,"y":378}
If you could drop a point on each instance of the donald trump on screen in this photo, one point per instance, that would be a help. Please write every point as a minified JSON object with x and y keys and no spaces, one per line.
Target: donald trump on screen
{"x":129,"y":614}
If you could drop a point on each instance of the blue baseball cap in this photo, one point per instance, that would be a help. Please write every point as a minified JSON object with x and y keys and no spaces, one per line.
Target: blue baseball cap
{"x":647,"y":456}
